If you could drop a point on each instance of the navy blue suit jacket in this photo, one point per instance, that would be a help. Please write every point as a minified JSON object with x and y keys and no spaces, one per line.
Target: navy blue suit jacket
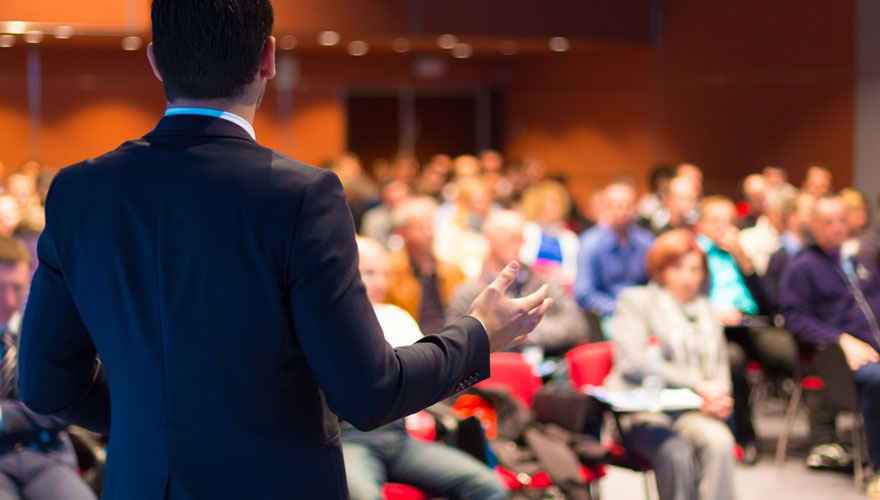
{"x":217,"y":282}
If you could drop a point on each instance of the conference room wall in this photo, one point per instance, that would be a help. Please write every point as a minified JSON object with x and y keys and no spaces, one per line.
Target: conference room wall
{"x":728,"y":90}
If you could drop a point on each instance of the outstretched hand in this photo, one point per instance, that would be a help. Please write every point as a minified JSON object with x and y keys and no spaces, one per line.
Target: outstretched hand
{"x":509,"y":320}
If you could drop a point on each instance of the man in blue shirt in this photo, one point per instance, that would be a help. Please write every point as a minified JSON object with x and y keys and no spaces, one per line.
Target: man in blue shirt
{"x":742,"y":305}
{"x":612,"y":255}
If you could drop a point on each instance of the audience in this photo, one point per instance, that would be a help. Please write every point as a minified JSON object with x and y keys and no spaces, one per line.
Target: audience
{"x":720,"y":289}
{"x":652,"y":202}
{"x":563,"y":327}
{"x":680,"y":209}
{"x":37,"y":460}
{"x":856,"y":220}
{"x":377,"y":222}
{"x":612,"y":256}
{"x":691,"y":452}
{"x":763,"y":238}
{"x":737,"y":294}
{"x":420,"y":283}
{"x":459,"y":237}
{"x":550,"y":248}
{"x":754,"y":192}
{"x":817,"y":181}
{"x":831,"y":298}
{"x":389,"y":453}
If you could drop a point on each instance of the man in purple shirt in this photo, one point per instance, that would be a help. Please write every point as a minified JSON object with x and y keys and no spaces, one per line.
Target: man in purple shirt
{"x":827,"y":299}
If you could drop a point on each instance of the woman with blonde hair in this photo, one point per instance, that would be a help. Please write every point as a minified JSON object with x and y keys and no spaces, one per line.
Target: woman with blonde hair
{"x":550,"y":248}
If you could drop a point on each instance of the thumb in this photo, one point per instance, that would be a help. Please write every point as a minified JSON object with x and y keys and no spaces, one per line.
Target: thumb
{"x":506,"y":277}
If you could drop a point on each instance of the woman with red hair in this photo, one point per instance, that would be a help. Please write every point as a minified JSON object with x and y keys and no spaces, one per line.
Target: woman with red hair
{"x":692,"y":451}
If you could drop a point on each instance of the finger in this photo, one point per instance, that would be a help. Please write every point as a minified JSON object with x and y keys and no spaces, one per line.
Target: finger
{"x":534,"y":300}
{"x":506,"y":277}
{"x":542,"y":309}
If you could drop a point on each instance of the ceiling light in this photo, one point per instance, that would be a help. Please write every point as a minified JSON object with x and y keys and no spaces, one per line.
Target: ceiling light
{"x":447,"y":41}
{"x":33,"y":36}
{"x":358,"y":48}
{"x":328,"y":38}
{"x":288,"y":42}
{"x":7,"y":41}
{"x":462,"y":51}
{"x":63,"y":32}
{"x":132,"y":43}
{"x":401,"y":45}
{"x":559,"y":44}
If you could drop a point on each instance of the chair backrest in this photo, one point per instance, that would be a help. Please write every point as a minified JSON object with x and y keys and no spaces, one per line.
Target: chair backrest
{"x":509,"y":369}
{"x":589,"y":364}
{"x":840,"y":386}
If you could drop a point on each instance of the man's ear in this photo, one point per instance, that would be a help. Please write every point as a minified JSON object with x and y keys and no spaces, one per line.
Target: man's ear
{"x":152,"y":58}
{"x":267,"y":64}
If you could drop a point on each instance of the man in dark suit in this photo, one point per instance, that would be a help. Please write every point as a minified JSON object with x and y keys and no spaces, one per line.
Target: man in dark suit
{"x":36,"y":457}
{"x":218,"y":281}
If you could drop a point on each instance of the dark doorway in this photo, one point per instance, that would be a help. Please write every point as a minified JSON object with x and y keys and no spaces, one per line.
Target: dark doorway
{"x":383,"y":123}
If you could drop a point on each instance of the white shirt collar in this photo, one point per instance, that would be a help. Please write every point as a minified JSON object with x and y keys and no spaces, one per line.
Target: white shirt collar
{"x":216,"y":113}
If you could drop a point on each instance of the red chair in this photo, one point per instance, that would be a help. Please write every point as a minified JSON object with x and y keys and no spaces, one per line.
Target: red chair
{"x":509,"y":369}
{"x":589,"y":364}
{"x":394,"y":491}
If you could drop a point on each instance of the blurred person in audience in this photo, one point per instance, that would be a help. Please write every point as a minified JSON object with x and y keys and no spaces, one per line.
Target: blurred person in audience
{"x":431,"y":180}
{"x":10,"y":215}
{"x":459,"y":237}
{"x":361,"y":192}
{"x":418,"y":282}
{"x":464,"y":169}
{"x":777,"y":180}
{"x":377,"y":222}
{"x":550,"y":248}
{"x":742,"y":305}
{"x":495,"y":173}
{"x":691,"y":452}
{"x":825,"y":452}
{"x":856,"y":219}
{"x":817,"y":181}
{"x":37,"y":459}
{"x":612,"y":255}
{"x":831,"y":298}
{"x":764,"y":238}
{"x":23,"y":188}
{"x":694,"y":174}
{"x":28,"y":231}
{"x":798,"y":215}
{"x":754,"y":189}
{"x":869,"y":243}
{"x":44,"y":181}
{"x":680,"y":209}
{"x":389,"y":454}
{"x":652,"y":202}
{"x":404,"y":169}
{"x":563,"y":327}
{"x":30,"y":168}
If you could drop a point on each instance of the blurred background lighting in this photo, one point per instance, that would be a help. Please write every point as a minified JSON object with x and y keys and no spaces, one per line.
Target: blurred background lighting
{"x":33,"y":36}
{"x":132,"y":43}
{"x":7,"y":40}
{"x":358,"y":48}
{"x":447,"y":41}
{"x":63,"y":32}
{"x":462,"y":51}
{"x":328,"y":38}
{"x":288,"y":42}
{"x":559,"y":44}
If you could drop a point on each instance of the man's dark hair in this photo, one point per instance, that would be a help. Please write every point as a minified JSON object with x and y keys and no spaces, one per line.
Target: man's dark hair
{"x":209,"y":49}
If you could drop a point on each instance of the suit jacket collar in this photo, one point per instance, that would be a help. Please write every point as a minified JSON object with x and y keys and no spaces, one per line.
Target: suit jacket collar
{"x":198,"y":126}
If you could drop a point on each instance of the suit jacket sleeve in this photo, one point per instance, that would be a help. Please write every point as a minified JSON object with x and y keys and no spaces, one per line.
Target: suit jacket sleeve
{"x":799,"y":305}
{"x":59,"y":373}
{"x":364,"y":380}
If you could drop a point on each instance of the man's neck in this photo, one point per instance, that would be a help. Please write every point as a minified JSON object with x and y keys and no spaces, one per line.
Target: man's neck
{"x":621,"y":233}
{"x":246,"y":111}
